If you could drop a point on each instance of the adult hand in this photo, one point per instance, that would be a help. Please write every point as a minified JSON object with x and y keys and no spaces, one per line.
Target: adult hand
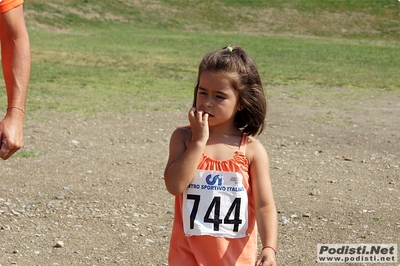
{"x":11,"y":133}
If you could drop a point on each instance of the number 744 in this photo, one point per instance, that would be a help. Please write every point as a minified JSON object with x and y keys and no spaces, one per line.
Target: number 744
{"x":213,"y":213}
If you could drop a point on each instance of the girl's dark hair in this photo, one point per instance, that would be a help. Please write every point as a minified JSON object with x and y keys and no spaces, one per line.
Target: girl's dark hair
{"x":236,"y":63}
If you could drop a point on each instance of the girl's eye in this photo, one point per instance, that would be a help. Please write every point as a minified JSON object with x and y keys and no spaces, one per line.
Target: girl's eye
{"x":220,"y":97}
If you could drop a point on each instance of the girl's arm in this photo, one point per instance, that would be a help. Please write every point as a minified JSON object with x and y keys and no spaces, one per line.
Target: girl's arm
{"x":186,"y":148}
{"x":266,"y":215}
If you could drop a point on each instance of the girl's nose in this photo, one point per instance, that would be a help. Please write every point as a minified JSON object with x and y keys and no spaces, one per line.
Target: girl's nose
{"x":208,"y":103}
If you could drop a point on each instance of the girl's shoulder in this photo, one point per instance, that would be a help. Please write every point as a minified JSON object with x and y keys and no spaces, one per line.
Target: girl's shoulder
{"x":183,"y":131}
{"x":182,"y":134}
{"x":253,"y":143}
{"x":255,"y":149}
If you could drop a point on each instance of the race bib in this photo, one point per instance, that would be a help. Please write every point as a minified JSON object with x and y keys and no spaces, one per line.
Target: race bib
{"x":215,"y":204}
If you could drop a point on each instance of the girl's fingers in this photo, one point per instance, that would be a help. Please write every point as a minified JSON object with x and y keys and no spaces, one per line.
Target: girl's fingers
{"x":192,"y":111}
{"x":200,"y":116}
{"x":192,"y":114}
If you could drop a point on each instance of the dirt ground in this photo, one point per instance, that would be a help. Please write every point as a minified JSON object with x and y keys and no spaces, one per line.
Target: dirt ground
{"x":92,"y":191}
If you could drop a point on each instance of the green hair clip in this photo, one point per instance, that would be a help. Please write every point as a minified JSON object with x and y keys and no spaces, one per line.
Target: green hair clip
{"x":229,"y":49}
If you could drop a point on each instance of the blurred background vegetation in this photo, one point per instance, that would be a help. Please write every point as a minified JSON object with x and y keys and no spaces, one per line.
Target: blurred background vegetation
{"x":92,"y":56}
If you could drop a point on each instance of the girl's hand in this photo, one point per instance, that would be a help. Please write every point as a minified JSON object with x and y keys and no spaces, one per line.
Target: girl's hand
{"x":267,"y":257}
{"x":199,"y":125}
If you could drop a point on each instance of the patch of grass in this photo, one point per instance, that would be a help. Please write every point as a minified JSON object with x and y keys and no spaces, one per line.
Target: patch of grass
{"x":347,"y":122}
{"x":378,"y":218}
{"x":26,"y":154}
{"x":326,"y":117}
{"x":35,"y":203}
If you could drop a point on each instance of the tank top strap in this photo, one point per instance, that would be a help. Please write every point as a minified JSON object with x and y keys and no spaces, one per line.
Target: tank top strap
{"x":243,"y":143}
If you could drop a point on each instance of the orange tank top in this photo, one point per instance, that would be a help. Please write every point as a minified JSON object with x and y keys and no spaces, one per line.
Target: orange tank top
{"x":7,"y":5}
{"x":214,"y":219}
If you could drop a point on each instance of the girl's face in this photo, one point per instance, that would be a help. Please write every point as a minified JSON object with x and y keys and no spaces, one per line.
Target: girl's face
{"x":217,"y":97}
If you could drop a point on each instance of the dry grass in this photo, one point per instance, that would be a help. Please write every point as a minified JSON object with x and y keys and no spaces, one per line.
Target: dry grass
{"x":217,"y":16}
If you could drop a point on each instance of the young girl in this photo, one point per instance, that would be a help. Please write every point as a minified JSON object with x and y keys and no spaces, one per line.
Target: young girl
{"x":218,"y":173}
